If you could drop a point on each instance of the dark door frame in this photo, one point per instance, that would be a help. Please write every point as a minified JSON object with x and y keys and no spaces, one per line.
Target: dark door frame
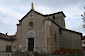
{"x":30,"y":44}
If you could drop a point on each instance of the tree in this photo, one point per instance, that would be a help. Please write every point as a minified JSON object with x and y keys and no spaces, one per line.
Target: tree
{"x":83,"y":17}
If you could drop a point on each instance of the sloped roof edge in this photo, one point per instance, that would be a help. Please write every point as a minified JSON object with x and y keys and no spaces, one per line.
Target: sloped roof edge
{"x":42,"y":14}
{"x":71,"y":31}
{"x":7,"y":37}
{"x":64,"y":28}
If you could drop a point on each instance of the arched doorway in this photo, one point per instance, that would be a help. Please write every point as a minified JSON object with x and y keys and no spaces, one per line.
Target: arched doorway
{"x":30,"y":38}
{"x":30,"y":44}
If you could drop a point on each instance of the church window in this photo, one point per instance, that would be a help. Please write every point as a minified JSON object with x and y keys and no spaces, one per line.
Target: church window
{"x":55,"y":37}
{"x":31,"y":24}
{"x":60,"y":30}
{"x":53,"y":17}
{"x":31,"y":15}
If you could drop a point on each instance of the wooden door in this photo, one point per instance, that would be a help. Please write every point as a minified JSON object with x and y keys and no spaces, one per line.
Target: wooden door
{"x":30,"y":44}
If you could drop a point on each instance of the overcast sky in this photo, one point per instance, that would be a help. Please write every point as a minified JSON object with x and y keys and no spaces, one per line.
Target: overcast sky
{"x":13,"y":10}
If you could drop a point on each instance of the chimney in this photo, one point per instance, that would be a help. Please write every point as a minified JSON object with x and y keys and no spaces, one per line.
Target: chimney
{"x":6,"y":33}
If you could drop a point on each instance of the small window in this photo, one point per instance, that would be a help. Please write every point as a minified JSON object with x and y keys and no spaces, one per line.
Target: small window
{"x":60,"y":30}
{"x":84,"y":42}
{"x":31,"y":24}
{"x":8,"y":48}
{"x":31,"y":15}
{"x":55,"y":37}
{"x":53,"y":17}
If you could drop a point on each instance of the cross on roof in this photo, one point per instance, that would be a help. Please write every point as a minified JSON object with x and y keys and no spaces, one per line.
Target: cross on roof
{"x":32,"y":6}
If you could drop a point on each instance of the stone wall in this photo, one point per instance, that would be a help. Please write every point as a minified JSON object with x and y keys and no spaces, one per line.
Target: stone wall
{"x":3,"y":44}
{"x":71,"y":40}
{"x":54,"y":37}
{"x":14,"y":43}
{"x":59,"y":19}
{"x":44,"y":33}
{"x":38,"y":29}
{"x":18,"y":37}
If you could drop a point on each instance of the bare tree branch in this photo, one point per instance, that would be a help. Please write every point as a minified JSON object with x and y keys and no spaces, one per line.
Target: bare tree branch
{"x":83,"y":17}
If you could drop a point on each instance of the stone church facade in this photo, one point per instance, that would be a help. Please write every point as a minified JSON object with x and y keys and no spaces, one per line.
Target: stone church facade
{"x":36,"y":32}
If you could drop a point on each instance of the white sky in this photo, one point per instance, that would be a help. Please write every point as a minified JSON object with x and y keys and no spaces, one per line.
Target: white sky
{"x":13,"y":10}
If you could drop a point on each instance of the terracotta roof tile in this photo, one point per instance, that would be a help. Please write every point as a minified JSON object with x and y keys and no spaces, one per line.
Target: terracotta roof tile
{"x":6,"y":37}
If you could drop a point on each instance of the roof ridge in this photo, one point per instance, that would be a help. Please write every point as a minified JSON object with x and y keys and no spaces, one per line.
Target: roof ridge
{"x":42,"y":14}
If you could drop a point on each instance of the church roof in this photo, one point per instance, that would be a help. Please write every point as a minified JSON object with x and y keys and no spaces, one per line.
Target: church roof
{"x":32,"y":9}
{"x":6,"y":37}
{"x":64,"y":28}
{"x":43,"y":14}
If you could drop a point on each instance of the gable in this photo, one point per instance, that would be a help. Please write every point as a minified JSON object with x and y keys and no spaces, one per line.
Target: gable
{"x":42,"y":14}
{"x":31,"y":24}
{"x":29,"y":13}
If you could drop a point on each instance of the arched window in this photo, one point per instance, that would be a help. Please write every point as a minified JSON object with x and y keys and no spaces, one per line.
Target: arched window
{"x":31,"y":35}
{"x":55,"y":37}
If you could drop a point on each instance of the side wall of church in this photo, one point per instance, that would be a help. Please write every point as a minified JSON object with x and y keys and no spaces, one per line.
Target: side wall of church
{"x":71,"y":40}
{"x":38,"y":29}
{"x":54,"y":37}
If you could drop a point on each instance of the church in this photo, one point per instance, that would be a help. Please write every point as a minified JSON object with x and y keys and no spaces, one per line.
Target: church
{"x":36,"y":32}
